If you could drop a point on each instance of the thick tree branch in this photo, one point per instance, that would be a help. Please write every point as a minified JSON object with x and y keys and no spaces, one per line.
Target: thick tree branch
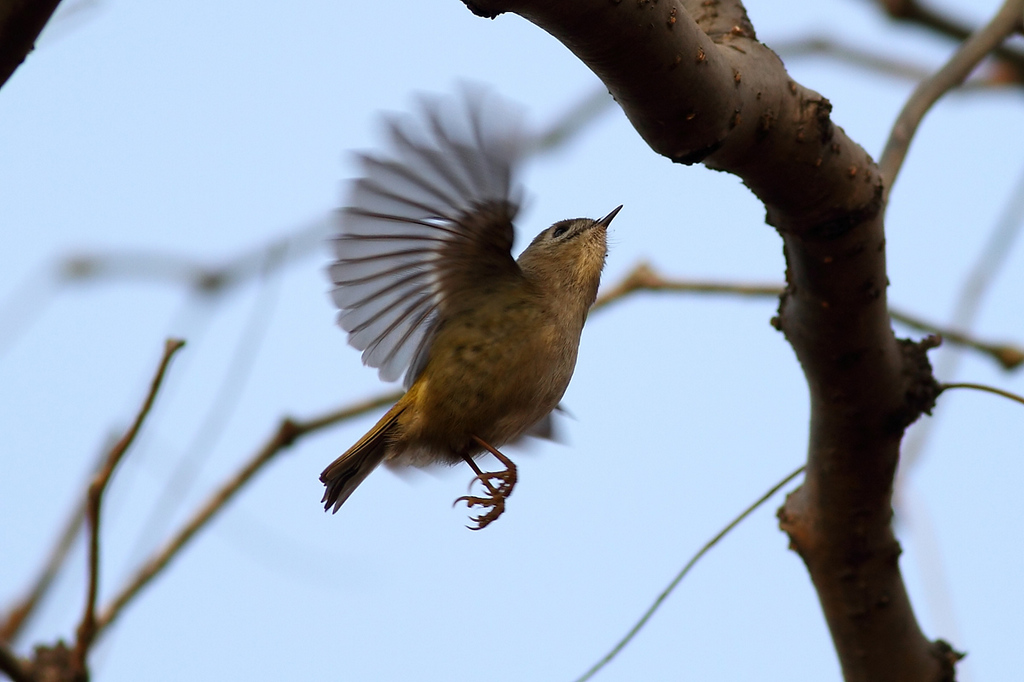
{"x":697,"y":86}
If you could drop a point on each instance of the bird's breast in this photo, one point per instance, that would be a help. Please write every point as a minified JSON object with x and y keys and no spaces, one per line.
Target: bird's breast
{"x":490,"y":373}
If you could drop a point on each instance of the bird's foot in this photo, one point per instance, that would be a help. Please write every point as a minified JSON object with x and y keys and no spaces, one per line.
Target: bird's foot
{"x":498,"y":486}
{"x":495,"y":502}
{"x":501,"y":482}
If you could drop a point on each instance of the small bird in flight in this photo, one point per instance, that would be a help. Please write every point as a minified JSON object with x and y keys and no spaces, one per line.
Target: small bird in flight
{"x":426,"y":284}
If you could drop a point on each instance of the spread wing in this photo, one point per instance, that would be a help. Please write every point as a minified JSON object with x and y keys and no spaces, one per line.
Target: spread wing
{"x":424,"y":223}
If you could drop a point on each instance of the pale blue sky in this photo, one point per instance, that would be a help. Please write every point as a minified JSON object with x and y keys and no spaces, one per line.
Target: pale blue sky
{"x":208,"y":129}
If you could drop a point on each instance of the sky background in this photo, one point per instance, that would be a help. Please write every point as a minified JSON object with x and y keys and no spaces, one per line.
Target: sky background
{"x":206,"y":130}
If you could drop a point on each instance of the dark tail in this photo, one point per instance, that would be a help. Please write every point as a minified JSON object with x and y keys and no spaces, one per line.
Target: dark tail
{"x":345,"y":474}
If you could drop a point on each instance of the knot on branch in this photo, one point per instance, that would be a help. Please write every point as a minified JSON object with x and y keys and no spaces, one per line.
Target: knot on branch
{"x":793,"y":523}
{"x":288,"y":432}
{"x":947,"y":657}
{"x":920,"y":387}
{"x":55,"y":664}
{"x":823,"y":118}
{"x":480,"y":11}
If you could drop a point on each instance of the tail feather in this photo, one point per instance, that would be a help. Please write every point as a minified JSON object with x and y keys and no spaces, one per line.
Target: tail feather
{"x":344,"y":474}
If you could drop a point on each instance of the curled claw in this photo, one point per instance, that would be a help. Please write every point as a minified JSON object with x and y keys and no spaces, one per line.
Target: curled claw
{"x":504,"y":486}
{"x":495,"y":494}
{"x":497,"y":505}
{"x":506,"y":480}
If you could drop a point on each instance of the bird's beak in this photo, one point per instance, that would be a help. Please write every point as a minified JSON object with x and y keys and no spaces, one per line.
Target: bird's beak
{"x":607,"y":220}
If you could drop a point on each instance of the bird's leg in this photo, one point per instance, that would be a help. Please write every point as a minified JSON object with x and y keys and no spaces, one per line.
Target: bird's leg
{"x":498,"y":495}
{"x":508,"y":477}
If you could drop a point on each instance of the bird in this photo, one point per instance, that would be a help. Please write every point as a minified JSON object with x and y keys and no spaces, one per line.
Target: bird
{"x":426,"y":284}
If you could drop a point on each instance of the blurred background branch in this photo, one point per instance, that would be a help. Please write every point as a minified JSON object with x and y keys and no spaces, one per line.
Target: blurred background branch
{"x":873,"y":61}
{"x":980,"y":43}
{"x":927,"y":17}
{"x":644,"y":278}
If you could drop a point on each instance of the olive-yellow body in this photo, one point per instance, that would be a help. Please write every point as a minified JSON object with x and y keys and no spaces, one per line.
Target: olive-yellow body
{"x":430,"y":285}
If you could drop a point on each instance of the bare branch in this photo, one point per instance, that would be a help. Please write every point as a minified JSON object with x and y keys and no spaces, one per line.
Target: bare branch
{"x":914,"y":12}
{"x":223,"y":404}
{"x":981,"y":43}
{"x":24,"y":607}
{"x":851,"y":54}
{"x":19,"y":614}
{"x":87,"y":627}
{"x":682,"y":574}
{"x":985,"y":389}
{"x":199,"y":275}
{"x":11,"y":665}
{"x":989,"y":263}
{"x":287,"y":433}
{"x":882,"y":64}
{"x":644,"y":278}
{"x":1007,"y":355}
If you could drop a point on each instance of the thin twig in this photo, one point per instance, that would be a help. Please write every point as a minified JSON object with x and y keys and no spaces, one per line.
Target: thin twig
{"x":287,"y":433}
{"x":882,"y":64}
{"x":912,"y":510}
{"x":1010,"y":357}
{"x":983,"y":387}
{"x":682,"y":574}
{"x":956,"y":70}
{"x":225,"y":401}
{"x":852,"y":54}
{"x":201,"y":276}
{"x":11,"y":665}
{"x":976,"y":285}
{"x":923,"y":15}
{"x":644,"y":278}
{"x":19,"y":614}
{"x":87,"y":627}
{"x":23,"y":305}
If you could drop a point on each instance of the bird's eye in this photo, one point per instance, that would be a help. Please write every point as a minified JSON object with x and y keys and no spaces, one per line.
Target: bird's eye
{"x":559,"y":231}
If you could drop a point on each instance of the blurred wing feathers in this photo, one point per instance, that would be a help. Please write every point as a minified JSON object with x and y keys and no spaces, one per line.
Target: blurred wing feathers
{"x":424,"y":224}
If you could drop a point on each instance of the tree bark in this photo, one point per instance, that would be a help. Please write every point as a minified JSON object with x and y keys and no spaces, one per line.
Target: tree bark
{"x":698,"y":87}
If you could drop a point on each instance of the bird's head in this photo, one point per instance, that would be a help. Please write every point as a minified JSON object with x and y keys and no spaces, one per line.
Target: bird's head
{"x":569,"y":255}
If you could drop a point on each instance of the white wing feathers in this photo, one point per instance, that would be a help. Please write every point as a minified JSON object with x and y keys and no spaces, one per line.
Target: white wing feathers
{"x":406,"y":213}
